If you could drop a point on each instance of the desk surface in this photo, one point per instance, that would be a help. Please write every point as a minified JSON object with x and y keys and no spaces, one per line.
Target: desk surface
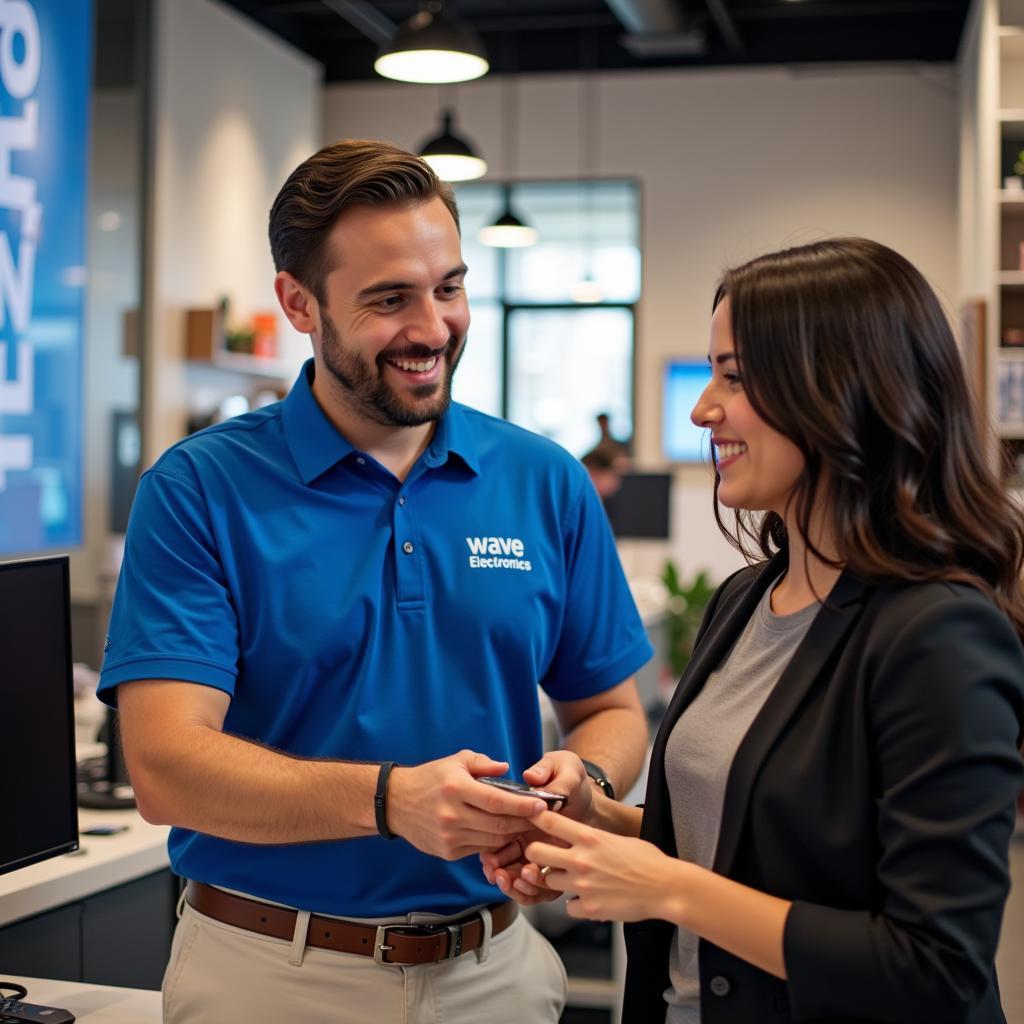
{"x":102,"y":863}
{"x":94,"y":1004}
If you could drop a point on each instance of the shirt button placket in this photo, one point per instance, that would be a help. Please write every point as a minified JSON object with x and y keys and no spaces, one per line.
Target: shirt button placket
{"x":409,"y":569}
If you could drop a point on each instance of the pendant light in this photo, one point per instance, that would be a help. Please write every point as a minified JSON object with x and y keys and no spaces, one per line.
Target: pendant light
{"x":508,"y":231}
{"x":450,"y":157}
{"x":587,"y":290}
{"x":433,"y":46}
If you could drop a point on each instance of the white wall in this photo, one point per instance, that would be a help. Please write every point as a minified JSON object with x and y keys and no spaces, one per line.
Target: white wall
{"x":731,"y":164}
{"x":236,"y":110}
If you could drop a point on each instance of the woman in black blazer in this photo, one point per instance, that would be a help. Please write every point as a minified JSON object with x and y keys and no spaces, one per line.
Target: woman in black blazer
{"x":858,"y":869}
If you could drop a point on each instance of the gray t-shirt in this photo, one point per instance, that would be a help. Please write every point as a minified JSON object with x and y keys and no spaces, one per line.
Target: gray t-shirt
{"x":699,"y":756}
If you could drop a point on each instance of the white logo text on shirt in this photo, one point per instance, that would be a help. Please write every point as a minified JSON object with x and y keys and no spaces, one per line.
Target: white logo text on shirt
{"x":498,"y":553}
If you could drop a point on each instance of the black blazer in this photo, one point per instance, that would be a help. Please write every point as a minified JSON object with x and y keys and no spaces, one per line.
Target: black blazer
{"x":876,"y":790}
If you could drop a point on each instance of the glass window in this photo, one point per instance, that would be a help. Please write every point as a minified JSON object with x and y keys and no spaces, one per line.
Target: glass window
{"x":557,"y":314}
{"x":478,"y":205}
{"x":566,"y":366}
{"x":587,"y":229}
{"x":478,"y":379}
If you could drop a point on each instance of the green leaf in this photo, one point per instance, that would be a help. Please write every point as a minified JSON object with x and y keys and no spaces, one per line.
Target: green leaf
{"x":684,"y":615}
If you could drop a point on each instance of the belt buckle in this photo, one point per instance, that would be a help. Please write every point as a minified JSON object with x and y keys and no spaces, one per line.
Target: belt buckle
{"x":454,"y":940}
{"x":454,"y":930}
{"x":380,"y":945}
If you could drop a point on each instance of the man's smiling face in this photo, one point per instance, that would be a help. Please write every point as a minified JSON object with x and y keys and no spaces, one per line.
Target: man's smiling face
{"x":395,"y":316}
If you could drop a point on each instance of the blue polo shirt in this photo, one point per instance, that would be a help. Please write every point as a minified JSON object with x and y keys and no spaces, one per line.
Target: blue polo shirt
{"x":352,"y":615}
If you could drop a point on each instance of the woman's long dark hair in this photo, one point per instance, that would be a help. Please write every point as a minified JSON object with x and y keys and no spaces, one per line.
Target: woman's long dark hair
{"x":845,"y":350}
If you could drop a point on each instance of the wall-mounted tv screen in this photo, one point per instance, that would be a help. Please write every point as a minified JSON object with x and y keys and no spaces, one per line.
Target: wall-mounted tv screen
{"x":683,"y":382}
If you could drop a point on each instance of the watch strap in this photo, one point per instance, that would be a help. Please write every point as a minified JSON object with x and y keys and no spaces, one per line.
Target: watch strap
{"x":597,"y":773}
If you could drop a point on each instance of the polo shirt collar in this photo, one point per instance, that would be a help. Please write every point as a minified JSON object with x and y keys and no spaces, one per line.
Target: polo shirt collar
{"x":455,"y":436}
{"x":314,"y":442}
{"x":316,"y":445}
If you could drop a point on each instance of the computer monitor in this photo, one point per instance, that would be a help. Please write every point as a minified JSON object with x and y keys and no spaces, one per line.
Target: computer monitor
{"x":642,"y":506}
{"x":682,"y":384}
{"x":37,"y":792}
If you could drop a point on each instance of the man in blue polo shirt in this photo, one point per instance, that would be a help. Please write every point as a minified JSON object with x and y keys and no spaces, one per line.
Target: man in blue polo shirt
{"x":331,"y":622}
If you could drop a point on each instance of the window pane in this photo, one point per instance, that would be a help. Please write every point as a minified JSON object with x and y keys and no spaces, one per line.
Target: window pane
{"x":479,"y":205}
{"x":566,"y":366}
{"x":587,"y":229}
{"x":478,"y":379}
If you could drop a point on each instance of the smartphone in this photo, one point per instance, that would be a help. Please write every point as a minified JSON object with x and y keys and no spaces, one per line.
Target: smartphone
{"x":555,"y":801}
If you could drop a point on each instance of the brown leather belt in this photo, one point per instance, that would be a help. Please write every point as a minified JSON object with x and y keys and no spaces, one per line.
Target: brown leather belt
{"x":396,"y":944}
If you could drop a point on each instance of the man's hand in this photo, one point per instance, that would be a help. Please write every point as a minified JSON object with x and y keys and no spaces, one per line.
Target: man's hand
{"x":560,"y":771}
{"x":442,"y":810}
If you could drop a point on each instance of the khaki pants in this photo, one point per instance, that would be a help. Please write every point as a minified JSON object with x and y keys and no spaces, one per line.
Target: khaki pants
{"x":219,"y":974}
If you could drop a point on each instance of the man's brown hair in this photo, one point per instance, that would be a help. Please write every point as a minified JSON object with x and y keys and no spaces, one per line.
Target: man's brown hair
{"x":354,"y":172}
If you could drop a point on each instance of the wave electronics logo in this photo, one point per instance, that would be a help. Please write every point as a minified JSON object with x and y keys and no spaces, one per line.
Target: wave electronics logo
{"x":497,"y":553}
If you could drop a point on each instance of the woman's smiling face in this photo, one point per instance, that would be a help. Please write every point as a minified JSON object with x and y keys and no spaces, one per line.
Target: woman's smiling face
{"x":758,"y":467}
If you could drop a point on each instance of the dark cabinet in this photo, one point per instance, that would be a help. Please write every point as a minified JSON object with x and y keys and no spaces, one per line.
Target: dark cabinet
{"x":46,"y":946}
{"x":127,"y":931}
{"x":121,"y":936}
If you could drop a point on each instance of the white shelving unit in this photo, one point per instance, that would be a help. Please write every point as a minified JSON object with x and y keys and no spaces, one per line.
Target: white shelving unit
{"x":992,"y":215}
{"x":1007,"y":361}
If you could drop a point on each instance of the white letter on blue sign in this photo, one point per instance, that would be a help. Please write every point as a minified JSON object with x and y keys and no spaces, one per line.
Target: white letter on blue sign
{"x":18,"y":132}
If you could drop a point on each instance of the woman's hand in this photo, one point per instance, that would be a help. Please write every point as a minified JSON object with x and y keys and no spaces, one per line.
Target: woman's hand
{"x":561,"y":771}
{"x":609,"y":877}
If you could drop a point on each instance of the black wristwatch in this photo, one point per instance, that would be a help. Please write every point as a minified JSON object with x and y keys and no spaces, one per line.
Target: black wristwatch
{"x":603,"y":782}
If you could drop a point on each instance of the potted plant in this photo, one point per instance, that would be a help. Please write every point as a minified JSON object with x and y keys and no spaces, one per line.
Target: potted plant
{"x":686,"y":604}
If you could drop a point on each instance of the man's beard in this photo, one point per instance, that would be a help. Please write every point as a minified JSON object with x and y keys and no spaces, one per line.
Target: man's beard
{"x":369,"y":393}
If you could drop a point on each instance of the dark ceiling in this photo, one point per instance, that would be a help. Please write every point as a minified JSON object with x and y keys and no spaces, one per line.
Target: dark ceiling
{"x":570,"y":35}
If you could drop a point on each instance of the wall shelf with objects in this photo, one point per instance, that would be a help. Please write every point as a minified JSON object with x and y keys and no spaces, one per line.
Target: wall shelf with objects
{"x":236,"y":365}
{"x":251,"y":349}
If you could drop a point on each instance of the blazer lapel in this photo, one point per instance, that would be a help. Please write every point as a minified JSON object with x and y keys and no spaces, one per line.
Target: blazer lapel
{"x":838,"y":614}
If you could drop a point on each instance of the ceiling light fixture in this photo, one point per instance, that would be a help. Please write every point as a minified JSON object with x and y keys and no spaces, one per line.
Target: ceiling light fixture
{"x":433,"y":47}
{"x":450,"y":157}
{"x":588,"y":289}
{"x":508,"y":231}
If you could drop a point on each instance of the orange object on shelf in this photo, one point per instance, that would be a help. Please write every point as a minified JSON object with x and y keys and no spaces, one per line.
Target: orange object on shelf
{"x":264,"y":342}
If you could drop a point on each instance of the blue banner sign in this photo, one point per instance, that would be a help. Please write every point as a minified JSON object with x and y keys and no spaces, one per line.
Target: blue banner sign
{"x":45,"y":86}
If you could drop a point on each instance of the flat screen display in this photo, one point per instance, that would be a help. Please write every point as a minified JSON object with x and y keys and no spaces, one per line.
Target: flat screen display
{"x":642,"y":506}
{"x":37,"y":782}
{"x":681,"y":441}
